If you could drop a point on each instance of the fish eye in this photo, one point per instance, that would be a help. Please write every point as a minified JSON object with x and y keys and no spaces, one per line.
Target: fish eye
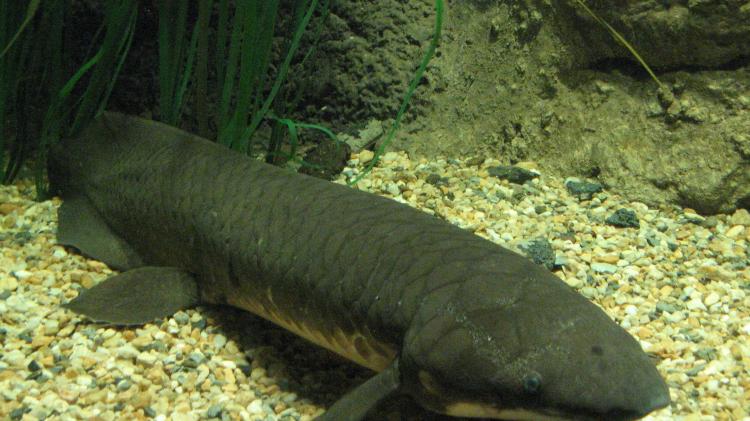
{"x":532,"y":382}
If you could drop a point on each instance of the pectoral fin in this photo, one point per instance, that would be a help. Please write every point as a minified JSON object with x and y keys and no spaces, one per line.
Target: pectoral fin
{"x":355,"y":405}
{"x":138,"y":296}
{"x":81,"y":226}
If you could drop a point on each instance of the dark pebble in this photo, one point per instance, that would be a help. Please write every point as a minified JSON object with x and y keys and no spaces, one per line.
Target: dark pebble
{"x":516,"y":175}
{"x":156,"y":345}
{"x":583,"y":190}
{"x":540,"y":251}
{"x":665,"y":307}
{"x":623,"y":218}
{"x":436,"y":180}
{"x":33,"y":366}
{"x":17,"y":413}
{"x":214,"y":411}
{"x":5,"y":294}
{"x":124,"y":385}
{"x":245,"y":369}
{"x":707,"y":354}
{"x":652,"y":239}
{"x":193,"y":360}
{"x":200,"y":324}
{"x":149,"y":411}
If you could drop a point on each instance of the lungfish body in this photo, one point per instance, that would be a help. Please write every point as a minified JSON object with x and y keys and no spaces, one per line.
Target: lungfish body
{"x":463,"y":326}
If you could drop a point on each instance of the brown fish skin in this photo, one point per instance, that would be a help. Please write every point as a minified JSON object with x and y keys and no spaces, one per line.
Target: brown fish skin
{"x":462,"y":325}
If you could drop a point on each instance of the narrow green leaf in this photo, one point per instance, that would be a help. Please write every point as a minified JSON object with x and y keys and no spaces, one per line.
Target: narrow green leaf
{"x":409,"y":91}
{"x":280,"y":77}
{"x":30,"y":12}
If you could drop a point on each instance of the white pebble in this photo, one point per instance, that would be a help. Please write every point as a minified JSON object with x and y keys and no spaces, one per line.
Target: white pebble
{"x":21,"y":275}
{"x":18,"y":303}
{"x":14,"y":358}
{"x":712,"y":299}
{"x":8,"y":283}
{"x":146,"y":358}
{"x":220,"y":341}
{"x":127,"y":352}
{"x":599,"y":267}
{"x":255,"y":407}
{"x":695,"y":304}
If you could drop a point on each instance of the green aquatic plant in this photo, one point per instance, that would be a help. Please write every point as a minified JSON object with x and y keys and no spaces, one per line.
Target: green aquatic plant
{"x":409,"y":92}
{"x":43,"y":96}
{"x":175,"y":58}
{"x":241,"y":54}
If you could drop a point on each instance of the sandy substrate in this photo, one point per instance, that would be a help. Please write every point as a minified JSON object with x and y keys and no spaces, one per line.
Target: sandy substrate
{"x":679,"y":283}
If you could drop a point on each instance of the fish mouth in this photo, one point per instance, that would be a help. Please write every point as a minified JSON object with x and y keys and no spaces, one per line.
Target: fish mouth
{"x":638,"y":411}
{"x":645,"y":407}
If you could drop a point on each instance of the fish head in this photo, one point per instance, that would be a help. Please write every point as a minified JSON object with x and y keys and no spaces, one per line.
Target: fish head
{"x":526,"y":348}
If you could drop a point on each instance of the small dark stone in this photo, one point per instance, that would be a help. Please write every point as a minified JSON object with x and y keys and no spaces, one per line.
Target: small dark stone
{"x":664,"y":307}
{"x":707,"y":354}
{"x":24,"y":336}
{"x":17,"y":413}
{"x":214,"y":411}
{"x":516,"y":175}
{"x":623,"y":218}
{"x":436,"y":180}
{"x":156,"y":345}
{"x":245,"y":369}
{"x":5,"y":294}
{"x":200,"y":324}
{"x":119,"y":406}
{"x":327,"y":160}
{"x":540,"y":251}
{"x":23,"y":237}
{"x":90,"y":333}
{"x":540,"y":209}
{"x":583,"y":190}
{"x":652,"y":239}
{"x":149,"y":411}
{"x":193,"y":360}
{"x":33,"y":366}
{"x":124,"y":385}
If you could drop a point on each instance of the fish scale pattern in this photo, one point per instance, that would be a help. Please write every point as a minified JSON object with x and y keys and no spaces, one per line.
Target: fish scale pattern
{"x":316,"y":251}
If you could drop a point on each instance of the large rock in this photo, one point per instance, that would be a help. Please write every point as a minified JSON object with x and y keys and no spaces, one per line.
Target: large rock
{"x":670,"y":34}
{"x":527,"y":82}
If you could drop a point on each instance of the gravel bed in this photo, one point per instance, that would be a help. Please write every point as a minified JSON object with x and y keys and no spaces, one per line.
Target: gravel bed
{"x":679,"y":282}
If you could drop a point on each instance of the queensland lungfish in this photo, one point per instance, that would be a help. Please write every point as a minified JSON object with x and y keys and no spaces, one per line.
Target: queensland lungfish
{"x":456,"y":322}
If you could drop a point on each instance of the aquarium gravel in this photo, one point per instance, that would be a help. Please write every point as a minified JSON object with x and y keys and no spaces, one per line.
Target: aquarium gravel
{"x":676,"y":280}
